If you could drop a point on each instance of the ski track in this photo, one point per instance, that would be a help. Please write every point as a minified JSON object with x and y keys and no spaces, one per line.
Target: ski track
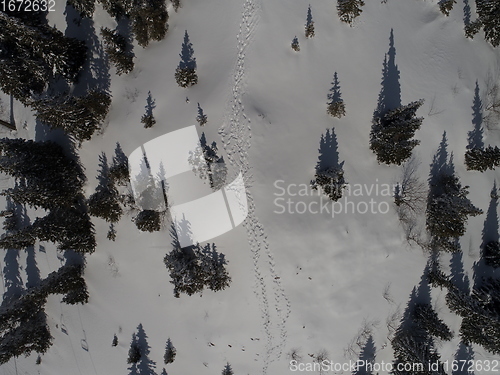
{"x":236,"y":134}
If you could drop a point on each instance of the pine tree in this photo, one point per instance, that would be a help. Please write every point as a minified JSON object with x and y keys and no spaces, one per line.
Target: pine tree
{"x":111,"y":235}
{"x":491,"y":254}
{"x":170,"y":352}
{"x":77,"y":116}
{"x":149,"y":20}
{"x":488,"y":20}
{"x":331,"y":181}
{"x":134,"y":352}
{"x":148,"y":119}
{"x":392,"y":133}
{"x":227,"y":370}
{"x":119,"y":171}
{"x":336,"y":106}
{"x":118,"y":51}
{"x":445,"y":6}
{"x":481,"y":159}
{"x":426,"y":318}
{"x":348,"y":10}
{"x":115,"y":340}
{"x":295,"y":44}
{"x":185,"y":74}
{"x":309,"y":29}
{"x":202,"y":118}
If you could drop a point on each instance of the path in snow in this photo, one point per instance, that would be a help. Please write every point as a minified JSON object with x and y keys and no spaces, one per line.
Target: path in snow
{"x":236,"y":134}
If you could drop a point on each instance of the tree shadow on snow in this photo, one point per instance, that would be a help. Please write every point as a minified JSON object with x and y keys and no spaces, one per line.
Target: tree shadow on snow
{"x":367,"y":356}
{"x":187,"y":52}
{"x":328,"y":152}
{"x":390,"y":94}
{"x":144,"y":366}
{"x":475,"y":136}
{"x":440,"y":166}
{"x":463,"y":355}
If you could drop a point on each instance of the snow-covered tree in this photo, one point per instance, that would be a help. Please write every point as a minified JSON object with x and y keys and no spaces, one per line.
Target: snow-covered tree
{"x":185,"y":74}
{"x":481,"y":159}
{"x":202,"y":118}
{"x":391,"y":134}
{"x":227,"y":370}
{"x":295,"y":44}
{"x":170,"y":352}
{"x":331,"y":181}
{"x":148,"y":119}
{"x":118,"y":51}
{"x":119,"y":171}
{"x":77,"y":116}
{"x":148,"y":221}
{"x":85,"y":7}
{"x":309,"y":29}
{"x":488,"y":20}
{"x":149,"y":20}
{"x":447,"y":211}
{"x":348,"y":10}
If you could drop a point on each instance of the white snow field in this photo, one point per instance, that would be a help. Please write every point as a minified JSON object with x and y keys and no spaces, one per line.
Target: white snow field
{"x":312,"y":280}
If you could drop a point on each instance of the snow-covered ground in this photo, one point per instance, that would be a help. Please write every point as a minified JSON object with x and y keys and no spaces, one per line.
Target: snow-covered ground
{"x":308,"y":281}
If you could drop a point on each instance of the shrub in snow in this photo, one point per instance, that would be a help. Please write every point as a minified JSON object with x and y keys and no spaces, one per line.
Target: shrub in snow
{"x":115,"y":341}
{"x":295,"y":44}
{"x":331,"y":181}
{"x":148,"y":221}
{"x":391,"y":134}
{"x":348,"y":10}
{"x":481,"y":159}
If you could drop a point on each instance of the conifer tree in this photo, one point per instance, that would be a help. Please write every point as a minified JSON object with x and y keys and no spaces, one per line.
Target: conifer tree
{"x":488,"y":20}
{"x":348,"y":10}
{"x":185,"y":74}
{"x":445,"y":6}
{"x":481,"y":159}
{"x":309,"y":24}
{"x":85,"y":7}
{"x":295,"y":44}
{"x":117,"y":48}
{"x":336,"y":106}
{"x":170,"y":352}
{"x":392,"y":133}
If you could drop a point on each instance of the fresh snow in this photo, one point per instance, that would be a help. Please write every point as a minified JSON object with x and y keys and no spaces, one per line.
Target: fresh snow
{"x":306,"y":281}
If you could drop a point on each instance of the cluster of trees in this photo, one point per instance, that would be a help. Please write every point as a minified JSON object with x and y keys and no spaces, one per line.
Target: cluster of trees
{"x":118,"y":50}
{"x":195,"y":268}
{"x":23,"y":322}
{"x":47,"y":178}
{"x":481,"y":159}
{"x":348,"y":10}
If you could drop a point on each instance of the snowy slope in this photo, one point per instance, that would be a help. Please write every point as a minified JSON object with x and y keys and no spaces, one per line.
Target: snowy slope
{"x":309,"y":281}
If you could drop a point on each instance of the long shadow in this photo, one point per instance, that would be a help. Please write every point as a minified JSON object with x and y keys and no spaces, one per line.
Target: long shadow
{"x":440,"y":166}
{"x":95,"y":71}
{"x":464,"y":355}
{"x":490,"y":233}
{"x":328,"y":152}
{"x":467,"y":13}
{"x":124,"y":28}
{"x":335,"y":95}
{"x":188,"y":61}
{"x":103,"y":172}
{"x":367,"y":356}
{"x":475,"y":136}
{"x":458,"y":276}
{"x":390,"y":94}
{"x":150,"y":104}
{"x":145,"y":366}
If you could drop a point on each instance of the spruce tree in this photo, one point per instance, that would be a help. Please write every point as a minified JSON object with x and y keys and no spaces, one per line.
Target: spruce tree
{"x":185,"y":74}
{"x":227,"y":370}
{"x":309,"y":29}
{"x":481,"y":159}
{"x":148,"y":221}
{"x":392,"y":133}
{"x":170,"y":352}
{"x":445,"y":6}
{"x":295,"y":44}
{"x":85,"y":7}
{"x":348,"y":10}
{"x":335,"y":104}
{"x":149,"y":20}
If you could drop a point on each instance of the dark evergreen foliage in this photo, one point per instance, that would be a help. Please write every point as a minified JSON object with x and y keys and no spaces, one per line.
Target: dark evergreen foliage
{"x":117,"y":48}
{"x":295,"y":44}
{"x":227,"y":370}
{"x":31,"y":54}
{"x":488,"y":20}
{"x":348,"y":10}
{"x":392,"y":133}
{"x":427,"y":319}
{"x":445,"y":6}
{"x":148,"y":221}
{"x":336,"y":106}
{"x":481,"y":159}
{"x":309,"y":29}
{"x":134,"y":353}
{"x":115,"y":340}
{"x":185,"y":74}
{"x":194,"y":268}
{"x":85,"y":7}
{"x":149,"y":20}
{"x":77,"y":116}
{"x":176,"y":4}
{"x":119,"y":171}
{"x":170,"y":352}
{"x":491,"y":254}
{"x":331,"y":181}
